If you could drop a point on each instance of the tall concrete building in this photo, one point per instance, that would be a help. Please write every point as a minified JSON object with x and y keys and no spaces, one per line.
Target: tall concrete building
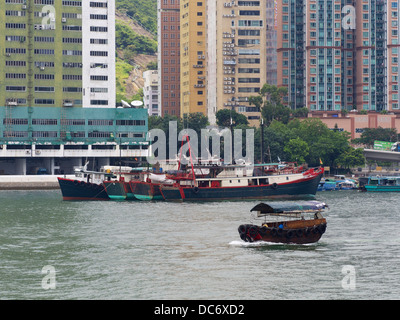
{"x":57,"y":53}
{"x":272,"y":33}
{"x":150,"y":92}
{"x":335,"y":55}
{"x":193,"y":56}
{"x":240,"y":48}
{"x":376,"y":35}
{"x":169,"y":70}
{"x":225,"y":47}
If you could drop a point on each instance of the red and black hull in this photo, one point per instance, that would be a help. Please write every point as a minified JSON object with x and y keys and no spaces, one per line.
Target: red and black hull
{"x":80,"y":190}
{"x":298,"y":189}
{"x":143,"y":190}
{"x":305,"y":233}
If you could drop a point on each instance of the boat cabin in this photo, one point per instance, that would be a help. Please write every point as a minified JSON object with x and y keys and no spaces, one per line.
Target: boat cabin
{"x":384,"y":181}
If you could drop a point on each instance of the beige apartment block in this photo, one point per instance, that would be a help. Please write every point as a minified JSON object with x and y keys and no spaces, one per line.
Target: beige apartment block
{"x":193,"y":56}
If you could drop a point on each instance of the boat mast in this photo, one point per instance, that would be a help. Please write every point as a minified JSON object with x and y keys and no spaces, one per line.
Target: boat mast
{"x":190,"y":154}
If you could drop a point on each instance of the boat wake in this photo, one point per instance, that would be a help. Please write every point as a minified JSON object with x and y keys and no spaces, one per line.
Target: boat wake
{"x":241,"y":243}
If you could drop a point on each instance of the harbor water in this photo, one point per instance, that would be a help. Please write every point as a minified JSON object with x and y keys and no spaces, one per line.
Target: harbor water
{"x":54,"y":249}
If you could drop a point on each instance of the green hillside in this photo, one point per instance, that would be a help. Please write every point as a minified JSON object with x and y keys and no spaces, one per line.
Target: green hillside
{"x":143,"y":11}
{"x":136,"y":45}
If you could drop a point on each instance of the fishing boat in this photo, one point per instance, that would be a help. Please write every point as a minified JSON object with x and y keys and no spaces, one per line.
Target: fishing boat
{"x":383,"y":184}
{"x":291,"y":222}
{"x":120,"y":189}
{"x":238,"y":182}
{"x":87,"y":185}
{"x":147,"y":187}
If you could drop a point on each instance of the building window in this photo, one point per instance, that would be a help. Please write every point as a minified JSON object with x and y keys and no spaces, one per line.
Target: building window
{"x":44,"y":101}
{"x":99,"y":102}
{"x":99,"y":78}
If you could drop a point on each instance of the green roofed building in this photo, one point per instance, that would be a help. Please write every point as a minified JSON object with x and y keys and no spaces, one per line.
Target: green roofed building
{"x":59,"y":139}
{"x":57,"y":89}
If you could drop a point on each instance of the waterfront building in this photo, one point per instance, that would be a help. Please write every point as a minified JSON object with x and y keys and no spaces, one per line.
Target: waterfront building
{"x":150,"y":92}
{"x":59,"y":139}
{"x":169,"y":70}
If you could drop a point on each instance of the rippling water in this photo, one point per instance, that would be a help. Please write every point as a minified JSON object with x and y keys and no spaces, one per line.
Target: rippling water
{"x":158,"y":250}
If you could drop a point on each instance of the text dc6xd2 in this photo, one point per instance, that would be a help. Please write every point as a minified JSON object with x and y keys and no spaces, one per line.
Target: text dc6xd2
{"x":201,"y":309}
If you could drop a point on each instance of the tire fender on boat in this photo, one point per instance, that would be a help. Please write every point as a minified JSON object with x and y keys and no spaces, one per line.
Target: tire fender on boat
{"x":322,"y":228}
{"x":253,"y":232}
{"x":289,"y":234}
{"x":195,"y":190}
{"x":242,"y":229}
{"x":263,"y":230}
{"x":274,"y":185}
{"x":299,"y":232}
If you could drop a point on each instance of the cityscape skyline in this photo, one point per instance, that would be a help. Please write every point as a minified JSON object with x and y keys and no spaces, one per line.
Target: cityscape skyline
{"x":330,"y":55}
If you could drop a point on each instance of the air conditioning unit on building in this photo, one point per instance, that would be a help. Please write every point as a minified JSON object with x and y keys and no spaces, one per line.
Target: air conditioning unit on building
{"x":63,"y":20}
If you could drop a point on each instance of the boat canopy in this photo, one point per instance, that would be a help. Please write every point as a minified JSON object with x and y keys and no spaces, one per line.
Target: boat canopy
{"x":281,"y":207}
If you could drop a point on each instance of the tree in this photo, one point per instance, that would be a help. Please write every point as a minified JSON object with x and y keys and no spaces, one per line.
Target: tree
{"x":224,"y":117}
{"x":270,"y":102}
{"x":371,"y":134}
{"x":300,"y":113}
{"x":297,"y":149}
{"x":195,"y":121}
{"x":351,"y":158}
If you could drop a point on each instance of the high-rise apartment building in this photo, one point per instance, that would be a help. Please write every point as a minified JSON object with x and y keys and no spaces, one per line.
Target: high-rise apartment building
{"x":272,"y":33}
{"x":57,"y":53}
{"x":193,"y":56}
{"x":329,"y":64}
{"x":373,"y":44}
{"x":240,"y":50}
{"x":169,"y":57}
{"x":224,"y":50}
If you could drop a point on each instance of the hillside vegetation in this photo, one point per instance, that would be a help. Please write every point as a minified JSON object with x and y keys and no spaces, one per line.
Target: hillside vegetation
{"x":136,"y":46}
{"x":143,"y":11}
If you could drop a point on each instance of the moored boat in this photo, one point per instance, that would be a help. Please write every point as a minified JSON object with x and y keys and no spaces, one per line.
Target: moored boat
{"x":147,"y":186}
{"x":383,"y":184}
{"x":87,"y":185}
{"x":118,"y":190}
{"x":90,"y":185}
{"x":290,"y":224}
